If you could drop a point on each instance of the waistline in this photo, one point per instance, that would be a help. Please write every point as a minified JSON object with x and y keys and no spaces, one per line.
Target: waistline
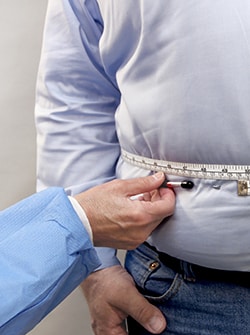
{"x":239,"y":173}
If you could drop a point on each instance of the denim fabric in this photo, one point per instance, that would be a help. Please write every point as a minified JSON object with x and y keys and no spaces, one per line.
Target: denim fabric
{"x":191,"y":306}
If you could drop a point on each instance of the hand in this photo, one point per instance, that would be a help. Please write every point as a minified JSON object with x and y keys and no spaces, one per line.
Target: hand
{"x":116,"y":220}
{"x":112,"y":296}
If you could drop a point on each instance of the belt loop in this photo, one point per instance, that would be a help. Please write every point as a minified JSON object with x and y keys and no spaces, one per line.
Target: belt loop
{"x":187,"y":272}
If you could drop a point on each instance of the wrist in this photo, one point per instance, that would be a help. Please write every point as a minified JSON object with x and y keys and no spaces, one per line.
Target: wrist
{"x":82,"y":216}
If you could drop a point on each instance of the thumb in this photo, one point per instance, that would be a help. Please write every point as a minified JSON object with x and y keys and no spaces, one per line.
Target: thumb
{"x":144,"y":184}
{"x":149,"y":316}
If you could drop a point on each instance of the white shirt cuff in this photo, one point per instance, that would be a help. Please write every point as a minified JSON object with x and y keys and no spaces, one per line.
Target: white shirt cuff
{"x":83,"y":217}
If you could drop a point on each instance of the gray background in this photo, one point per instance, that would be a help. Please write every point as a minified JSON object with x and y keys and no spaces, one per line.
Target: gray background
{"x":21,"y":24}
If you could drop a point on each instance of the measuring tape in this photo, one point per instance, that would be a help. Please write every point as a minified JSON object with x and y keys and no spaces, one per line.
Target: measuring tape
{"x":240,"y":173}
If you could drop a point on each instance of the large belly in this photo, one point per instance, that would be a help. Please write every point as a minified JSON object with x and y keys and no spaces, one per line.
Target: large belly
{"x":210,"y":226}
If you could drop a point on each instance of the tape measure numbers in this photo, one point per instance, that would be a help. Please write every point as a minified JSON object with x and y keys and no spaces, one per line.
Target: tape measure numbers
{"x":240,"y":173}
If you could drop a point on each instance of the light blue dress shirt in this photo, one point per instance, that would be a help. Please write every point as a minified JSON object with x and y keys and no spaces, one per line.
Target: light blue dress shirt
{"x":164,"y":79}
{"x":45,"y":253}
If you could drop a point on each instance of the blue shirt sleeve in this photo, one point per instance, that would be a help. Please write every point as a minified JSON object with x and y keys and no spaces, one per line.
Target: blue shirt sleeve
{"x":76,"y":101}
{"x":45,"y":253}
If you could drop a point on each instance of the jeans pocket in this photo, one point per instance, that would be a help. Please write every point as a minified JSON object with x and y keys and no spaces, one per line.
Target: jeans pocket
{"x":152,"y":278}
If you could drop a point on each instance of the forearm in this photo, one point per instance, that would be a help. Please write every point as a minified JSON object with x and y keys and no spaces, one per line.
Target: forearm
{"x":45,"y":253}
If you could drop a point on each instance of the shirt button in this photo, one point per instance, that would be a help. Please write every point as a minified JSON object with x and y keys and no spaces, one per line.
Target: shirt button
{"x":154,"y":265}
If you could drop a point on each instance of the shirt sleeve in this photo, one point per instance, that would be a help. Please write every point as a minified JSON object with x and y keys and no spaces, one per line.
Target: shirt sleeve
{"x":75,"y":104}
{"x":45,"y":253}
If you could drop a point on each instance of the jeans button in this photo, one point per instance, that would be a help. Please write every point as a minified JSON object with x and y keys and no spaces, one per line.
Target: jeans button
{"x":154,"y":265}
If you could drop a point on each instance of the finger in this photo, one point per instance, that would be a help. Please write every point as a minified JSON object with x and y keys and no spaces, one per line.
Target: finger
{"x":144,"y":184}
{"x":147,"y":315}
{"x":145,"y":197}
{"x":163,"y":206}
{"x":164,"y":192}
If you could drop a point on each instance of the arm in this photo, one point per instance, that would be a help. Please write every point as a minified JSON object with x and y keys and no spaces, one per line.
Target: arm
{"x":45,"y":253}
{"x":75,"y":105}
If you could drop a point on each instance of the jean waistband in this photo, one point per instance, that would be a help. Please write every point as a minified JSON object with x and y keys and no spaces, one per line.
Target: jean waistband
{"x":193,"y":272}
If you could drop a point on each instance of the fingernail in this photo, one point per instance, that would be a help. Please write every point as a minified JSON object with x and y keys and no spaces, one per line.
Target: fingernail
{"x":157,"y":324}
{"x":158,"y":175}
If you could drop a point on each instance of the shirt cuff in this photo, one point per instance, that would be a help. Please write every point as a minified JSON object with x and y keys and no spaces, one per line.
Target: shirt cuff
{"x":82,"y":215}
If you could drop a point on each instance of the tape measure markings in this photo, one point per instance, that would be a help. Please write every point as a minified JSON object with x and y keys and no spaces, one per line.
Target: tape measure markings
{"x":207,"y":171}
{"x":241,"y":173}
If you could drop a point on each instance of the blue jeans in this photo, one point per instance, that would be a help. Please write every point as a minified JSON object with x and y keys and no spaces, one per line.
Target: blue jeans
{"x":191,"y":305}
